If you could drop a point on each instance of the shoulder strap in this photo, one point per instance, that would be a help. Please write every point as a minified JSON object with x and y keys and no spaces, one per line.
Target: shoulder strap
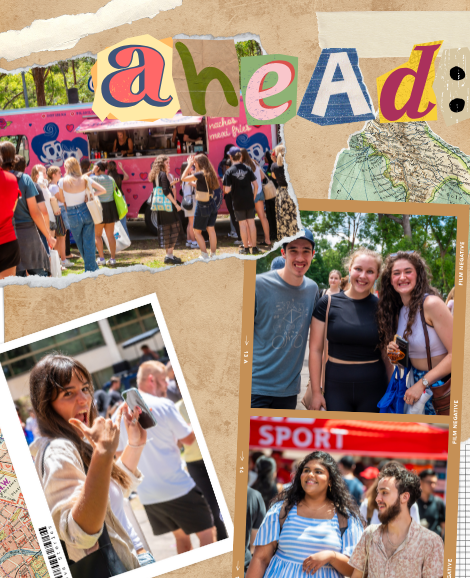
{"x":282,"y":517}
{"x":325,"y":355}
{"x":426,"y":335}
{"x":42,"y":461}
{"x":343,"y":521}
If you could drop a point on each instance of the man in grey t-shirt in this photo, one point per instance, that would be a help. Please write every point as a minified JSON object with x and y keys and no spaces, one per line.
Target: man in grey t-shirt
{"x":284,"y":303}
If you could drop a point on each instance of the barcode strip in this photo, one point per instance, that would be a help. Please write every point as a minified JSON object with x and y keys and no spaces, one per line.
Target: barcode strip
{"x":46,"y":541}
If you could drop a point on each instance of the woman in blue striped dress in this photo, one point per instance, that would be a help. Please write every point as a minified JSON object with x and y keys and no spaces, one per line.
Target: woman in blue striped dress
{"x":313,"y":527}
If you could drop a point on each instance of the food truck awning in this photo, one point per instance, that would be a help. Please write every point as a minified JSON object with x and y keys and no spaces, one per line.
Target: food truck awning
{"x":364,"y":438}
{"x":96,"y":125}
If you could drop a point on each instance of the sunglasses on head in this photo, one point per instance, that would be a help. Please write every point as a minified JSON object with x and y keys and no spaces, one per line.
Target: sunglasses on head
{"x":406,"y":252}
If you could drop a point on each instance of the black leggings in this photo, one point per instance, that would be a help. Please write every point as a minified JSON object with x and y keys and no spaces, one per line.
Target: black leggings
{"x":197,"y":470}
{"x":354,"y":387}
{"x":229,"y":204}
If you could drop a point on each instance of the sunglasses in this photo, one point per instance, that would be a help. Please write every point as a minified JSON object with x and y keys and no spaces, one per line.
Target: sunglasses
{"x":406,"y":253}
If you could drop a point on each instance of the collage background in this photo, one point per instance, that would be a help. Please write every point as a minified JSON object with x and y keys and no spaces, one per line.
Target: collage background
{"x":202,"y":303}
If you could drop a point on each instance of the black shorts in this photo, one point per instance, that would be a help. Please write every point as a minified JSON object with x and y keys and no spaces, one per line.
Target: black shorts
{"x":9,"y":255}
{"x":244,"y":215}
{"x":191,"y":513}
{"x":110,"y":213}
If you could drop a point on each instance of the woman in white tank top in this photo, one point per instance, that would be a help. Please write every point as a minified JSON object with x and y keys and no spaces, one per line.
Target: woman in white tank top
{"x":72,"y":189}
{"x":405,"y":288}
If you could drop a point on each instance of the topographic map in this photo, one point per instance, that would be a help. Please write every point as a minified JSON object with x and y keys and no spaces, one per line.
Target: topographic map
{"x":401,"y":161}
{"x":20,"y":554}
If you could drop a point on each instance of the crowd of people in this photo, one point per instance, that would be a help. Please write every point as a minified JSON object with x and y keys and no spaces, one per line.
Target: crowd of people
{"x":39,"y":212}
{"x":352,"y":341}
{"x":241,"y":182}
{"x":325,"y":522}
{"x":91,"y":453}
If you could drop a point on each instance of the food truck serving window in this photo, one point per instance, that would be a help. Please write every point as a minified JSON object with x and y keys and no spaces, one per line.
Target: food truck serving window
{"x":112,"y":138}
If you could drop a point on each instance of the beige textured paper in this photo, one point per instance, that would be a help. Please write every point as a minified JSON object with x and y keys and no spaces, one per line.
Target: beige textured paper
{"x":202,"y":303}
{"x":207,"y":53}
{"x":388,"y":34}
{"x":448,"y":88}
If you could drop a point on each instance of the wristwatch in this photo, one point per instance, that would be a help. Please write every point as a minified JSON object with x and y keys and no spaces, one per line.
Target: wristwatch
{"x":425,"y":382}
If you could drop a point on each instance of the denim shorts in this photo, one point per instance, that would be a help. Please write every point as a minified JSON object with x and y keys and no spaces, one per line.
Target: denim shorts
{"x":205,"y":215}
{"x":260,"y":196}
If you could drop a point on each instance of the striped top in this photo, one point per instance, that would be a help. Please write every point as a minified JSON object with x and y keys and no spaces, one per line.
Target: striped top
{"x":302,"y":537}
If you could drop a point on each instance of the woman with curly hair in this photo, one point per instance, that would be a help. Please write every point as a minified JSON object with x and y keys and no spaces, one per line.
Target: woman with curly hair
{"x":169,"y":225}
{"x":405,"y":291}
{"x":312,"y":528}
{"x":355,"y":374}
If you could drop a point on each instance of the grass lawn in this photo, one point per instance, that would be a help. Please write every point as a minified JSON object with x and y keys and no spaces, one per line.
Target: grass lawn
{"x":146,"y":252}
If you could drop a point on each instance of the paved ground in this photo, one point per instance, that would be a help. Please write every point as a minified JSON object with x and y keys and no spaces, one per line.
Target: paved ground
{"x":161,"y":546}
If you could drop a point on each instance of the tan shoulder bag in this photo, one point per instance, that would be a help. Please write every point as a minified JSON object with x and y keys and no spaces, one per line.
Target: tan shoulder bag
{"x":308,"y":397}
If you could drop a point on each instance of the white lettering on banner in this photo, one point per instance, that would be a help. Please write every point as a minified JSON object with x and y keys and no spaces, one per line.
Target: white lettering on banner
{"x":322,"y":439}
{"x":306,"y":434}
{"x":228,"y":122}
{"x":266,"y":437}
{"x":283,"y":433}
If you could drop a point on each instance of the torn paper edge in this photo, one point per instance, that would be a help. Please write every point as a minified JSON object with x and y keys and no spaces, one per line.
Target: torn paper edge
{"x":64,"y":282}
{"x":69,"y":29}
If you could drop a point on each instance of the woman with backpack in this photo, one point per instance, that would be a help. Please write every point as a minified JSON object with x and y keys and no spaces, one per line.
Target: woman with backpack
{"x":312,"y":528}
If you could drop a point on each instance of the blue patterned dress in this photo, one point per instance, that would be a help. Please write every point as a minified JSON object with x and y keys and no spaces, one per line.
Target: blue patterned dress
{"x":302,"y":537}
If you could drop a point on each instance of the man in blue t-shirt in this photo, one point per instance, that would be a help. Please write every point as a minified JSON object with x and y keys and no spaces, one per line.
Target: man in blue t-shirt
{"x":284,"y":303}
{"x":347,"y":466}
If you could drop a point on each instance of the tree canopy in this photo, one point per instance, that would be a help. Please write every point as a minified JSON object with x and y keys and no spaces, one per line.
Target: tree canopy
{"x":337,"y":234}
{"x":47,"y":86}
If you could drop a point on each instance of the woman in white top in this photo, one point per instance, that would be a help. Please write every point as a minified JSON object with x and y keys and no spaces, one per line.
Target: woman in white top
{"x":72,"y":192}
{"x":450,"y":300}
{"x":405,"y":290}
{"x":259,"y":199}
{"x":74,"y":458}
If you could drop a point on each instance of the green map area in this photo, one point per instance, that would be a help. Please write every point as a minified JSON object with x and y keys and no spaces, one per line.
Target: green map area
{"x":403,"y":161}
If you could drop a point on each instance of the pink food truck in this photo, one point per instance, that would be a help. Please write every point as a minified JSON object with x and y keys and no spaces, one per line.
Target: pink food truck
{"x":50,"y":135}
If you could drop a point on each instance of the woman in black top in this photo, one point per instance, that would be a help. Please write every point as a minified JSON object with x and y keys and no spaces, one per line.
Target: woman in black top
{"x":123,"y":144}
{"x":286,"y":211}
{"x":334,"y":282}
{"x":169,"y":226}
{"x":355,"y":377}
{"x":205,"y":215}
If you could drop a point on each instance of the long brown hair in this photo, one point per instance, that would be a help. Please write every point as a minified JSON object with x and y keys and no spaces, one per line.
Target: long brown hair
{"x":158,"y":166}
{"x":390,"y":301}
{"x":206,"y":167}
{"x":48,"y":377}
{"x":247,"y":160}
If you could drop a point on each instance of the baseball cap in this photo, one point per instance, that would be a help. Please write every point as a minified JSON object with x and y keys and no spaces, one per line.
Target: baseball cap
{"x":233,"y":151}
{"x":370,"y":473}
{"x":278,"y":263}
{"x":306,"y":234}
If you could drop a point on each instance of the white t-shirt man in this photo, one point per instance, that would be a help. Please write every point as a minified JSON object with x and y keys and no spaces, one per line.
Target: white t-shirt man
{"x":164,"y":475}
